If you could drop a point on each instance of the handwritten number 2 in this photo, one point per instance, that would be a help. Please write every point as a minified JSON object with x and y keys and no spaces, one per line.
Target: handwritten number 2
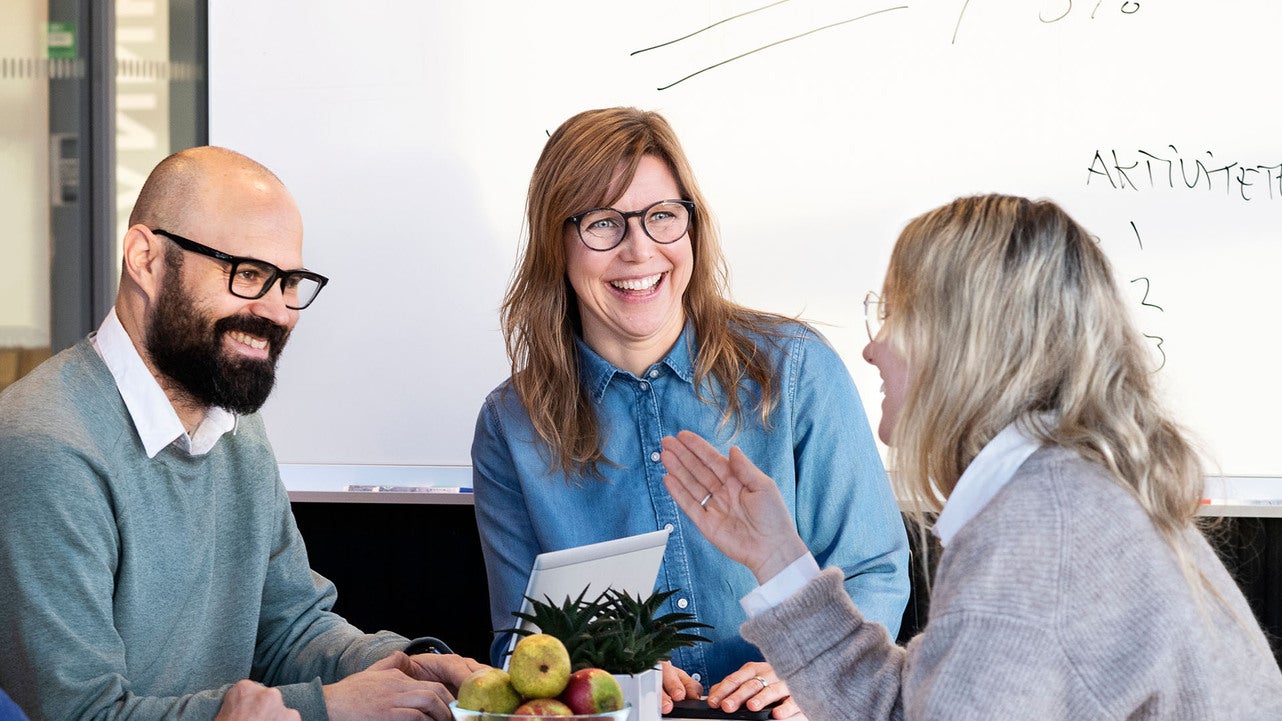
{"x":1146,"y":290}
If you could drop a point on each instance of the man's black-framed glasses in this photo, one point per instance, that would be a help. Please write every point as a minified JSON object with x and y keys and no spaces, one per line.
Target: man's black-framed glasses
{"x":251,"y":278}
{"x":604,"y":228}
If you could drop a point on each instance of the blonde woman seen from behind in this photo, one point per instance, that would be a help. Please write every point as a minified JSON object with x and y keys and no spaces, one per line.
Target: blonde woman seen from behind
{"x":1019,"y":405}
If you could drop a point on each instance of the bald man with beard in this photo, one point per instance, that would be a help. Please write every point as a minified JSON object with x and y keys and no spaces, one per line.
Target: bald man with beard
{"x":148,"y":554}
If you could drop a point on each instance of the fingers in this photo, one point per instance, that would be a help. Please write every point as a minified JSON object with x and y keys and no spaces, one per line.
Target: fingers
{"x":734,"y":680}
{"x":386,"y":694}
{"x":398,"y":660}
{"x":787,"y":709}
{"x":697,"y":460}
{"x":743,"y":469}
{"x":681,"y":483}
{"x":694,"y":689}
{"x":434,"y":702}
{"x":695,"y":470}
{"x":754,"y":686}
{"x":449,"y":669}
{"x":677,"y":686}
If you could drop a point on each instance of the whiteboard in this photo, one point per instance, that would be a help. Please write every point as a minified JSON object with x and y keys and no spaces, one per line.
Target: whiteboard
{"x":407,"y":130}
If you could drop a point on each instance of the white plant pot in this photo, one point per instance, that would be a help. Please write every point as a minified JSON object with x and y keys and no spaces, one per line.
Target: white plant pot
{"x":644,"y":691}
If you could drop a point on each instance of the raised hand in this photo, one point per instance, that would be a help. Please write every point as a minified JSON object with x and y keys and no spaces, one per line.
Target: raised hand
{"x":734,"y":505}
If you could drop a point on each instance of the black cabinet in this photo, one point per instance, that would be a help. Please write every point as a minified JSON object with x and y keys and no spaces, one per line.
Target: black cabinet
{"x":415,"y":569}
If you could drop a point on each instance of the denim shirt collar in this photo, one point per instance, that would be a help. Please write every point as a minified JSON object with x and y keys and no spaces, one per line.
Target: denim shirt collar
{"x":597,"y":372}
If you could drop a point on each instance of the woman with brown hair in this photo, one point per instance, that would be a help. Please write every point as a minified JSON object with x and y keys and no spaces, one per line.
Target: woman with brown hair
{"x":620,"y":331}
{"x":1019,"y":406}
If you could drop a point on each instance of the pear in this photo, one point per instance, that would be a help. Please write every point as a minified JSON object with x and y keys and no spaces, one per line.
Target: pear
{"x":488,"y":689}
{"x":540,"y":666}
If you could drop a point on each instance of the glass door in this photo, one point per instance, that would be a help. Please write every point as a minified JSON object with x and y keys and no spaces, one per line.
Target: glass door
{"x":27,"y":160}
{"x":93,"y":94}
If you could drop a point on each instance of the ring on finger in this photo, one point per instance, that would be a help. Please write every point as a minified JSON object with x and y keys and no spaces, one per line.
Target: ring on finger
{"x":764,"y":683}
{"x":704,"y":502}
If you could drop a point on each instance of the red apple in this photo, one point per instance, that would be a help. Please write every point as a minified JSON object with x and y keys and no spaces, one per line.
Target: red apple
{"x":591,"y":691}
{"x":545,"y":707}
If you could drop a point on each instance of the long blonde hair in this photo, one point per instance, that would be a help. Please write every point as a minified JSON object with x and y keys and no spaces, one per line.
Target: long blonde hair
{"x":588,"y":162}
{"x":1005,"y":310}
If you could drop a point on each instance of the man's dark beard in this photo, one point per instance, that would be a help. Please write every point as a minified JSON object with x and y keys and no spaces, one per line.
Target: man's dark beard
{"x":189,"y":351}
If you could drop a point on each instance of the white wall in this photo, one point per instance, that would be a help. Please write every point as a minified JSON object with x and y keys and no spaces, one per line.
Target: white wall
{"x":407,"y":130}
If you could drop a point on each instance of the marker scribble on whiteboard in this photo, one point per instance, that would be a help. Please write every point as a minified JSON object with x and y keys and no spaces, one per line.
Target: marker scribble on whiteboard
{"x":708,"y":27}
{"x":1126,"y":8}
{"x":798,"y":36}
{"x":1144,"y":302}
{"x":1149,"y":168}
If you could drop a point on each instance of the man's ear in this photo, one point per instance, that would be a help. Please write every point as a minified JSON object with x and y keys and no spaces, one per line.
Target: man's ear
{"x":144,"y":259}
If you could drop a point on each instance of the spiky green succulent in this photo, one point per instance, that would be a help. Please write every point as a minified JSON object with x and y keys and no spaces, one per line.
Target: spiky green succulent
{"x":615,"y":631}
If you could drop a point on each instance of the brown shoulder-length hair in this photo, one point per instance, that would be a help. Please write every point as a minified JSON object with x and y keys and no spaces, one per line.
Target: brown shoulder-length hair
{"x":587,"y":163}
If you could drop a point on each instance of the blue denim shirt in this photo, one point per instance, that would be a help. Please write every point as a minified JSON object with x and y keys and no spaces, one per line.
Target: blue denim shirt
{"x":819,"y":449}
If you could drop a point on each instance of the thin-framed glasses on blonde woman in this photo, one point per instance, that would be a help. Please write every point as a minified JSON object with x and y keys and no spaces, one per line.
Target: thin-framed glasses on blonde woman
{"x":874,"y":314}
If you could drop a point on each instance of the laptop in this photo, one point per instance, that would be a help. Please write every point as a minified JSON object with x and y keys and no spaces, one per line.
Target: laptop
{"x":629,"y":564}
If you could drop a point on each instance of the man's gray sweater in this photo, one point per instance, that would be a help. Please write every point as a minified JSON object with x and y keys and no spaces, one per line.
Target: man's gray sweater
{"x":142,"y":588}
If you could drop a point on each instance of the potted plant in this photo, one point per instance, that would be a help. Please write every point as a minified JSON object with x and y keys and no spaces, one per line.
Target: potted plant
{"x":622,"y":634}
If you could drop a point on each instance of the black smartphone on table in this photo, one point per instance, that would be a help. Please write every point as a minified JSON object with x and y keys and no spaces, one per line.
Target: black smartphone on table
{"x":699,"y":708}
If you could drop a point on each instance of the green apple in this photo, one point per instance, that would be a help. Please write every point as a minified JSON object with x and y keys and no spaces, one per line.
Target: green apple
{"x":592,"y":691}
{"x":540,"y":666}
{"x":488,"y":689}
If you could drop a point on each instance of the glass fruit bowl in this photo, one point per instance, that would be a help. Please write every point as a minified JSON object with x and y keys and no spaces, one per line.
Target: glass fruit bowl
{"x":462,"y":714}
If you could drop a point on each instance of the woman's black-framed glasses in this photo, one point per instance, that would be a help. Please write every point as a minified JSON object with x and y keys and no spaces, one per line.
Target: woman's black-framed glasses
{"x":251,"y":278}
{"x":604,"y":228}
{"x":874,"y":314}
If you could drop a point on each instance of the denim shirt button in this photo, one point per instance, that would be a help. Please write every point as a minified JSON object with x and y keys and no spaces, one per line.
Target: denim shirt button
{"x":655,"y":456}
{"x":645,"y":386}
{"x":696,"y":676}
{"x":654,"y":373}
{"x":682,"y":603}
{"x":667,"y":526}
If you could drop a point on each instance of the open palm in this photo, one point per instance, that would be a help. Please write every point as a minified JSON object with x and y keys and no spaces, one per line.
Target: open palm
{"x":745,"y":517}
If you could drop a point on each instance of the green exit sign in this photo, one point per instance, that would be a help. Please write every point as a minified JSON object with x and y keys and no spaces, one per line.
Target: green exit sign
{"x":62,"y":41}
